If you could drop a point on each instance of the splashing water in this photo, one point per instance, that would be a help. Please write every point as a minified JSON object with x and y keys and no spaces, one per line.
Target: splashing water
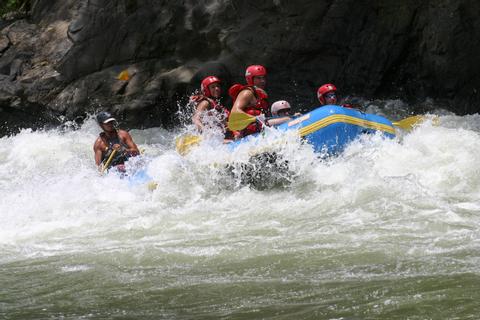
{"x":389,"y":229}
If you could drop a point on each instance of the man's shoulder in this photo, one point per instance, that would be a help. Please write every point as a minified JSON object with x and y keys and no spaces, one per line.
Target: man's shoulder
{"x":123,"y":133}
{"x":247,"y":92}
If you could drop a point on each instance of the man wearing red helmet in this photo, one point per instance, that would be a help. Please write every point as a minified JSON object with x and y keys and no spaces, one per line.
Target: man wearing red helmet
{"x":251,"y":98}
{"x":327,"y":94}
{"x":208,"y":104}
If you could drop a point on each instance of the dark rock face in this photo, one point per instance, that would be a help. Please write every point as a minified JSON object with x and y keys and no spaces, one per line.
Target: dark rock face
{"x":66,"y":57}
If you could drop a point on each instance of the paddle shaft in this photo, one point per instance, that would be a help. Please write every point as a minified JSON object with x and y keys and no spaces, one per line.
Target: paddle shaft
{"x":109,"y":160}
{"x":239,"y":120}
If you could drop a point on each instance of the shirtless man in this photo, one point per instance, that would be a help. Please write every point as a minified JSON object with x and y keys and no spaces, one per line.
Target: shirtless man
{"x":113,"y":139}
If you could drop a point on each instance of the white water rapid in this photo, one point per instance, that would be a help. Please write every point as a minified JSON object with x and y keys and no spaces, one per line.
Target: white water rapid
{"x":389,"y":229}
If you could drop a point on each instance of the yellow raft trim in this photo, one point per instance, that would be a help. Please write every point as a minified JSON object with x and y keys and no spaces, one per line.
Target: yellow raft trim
{"x":311,"y":128}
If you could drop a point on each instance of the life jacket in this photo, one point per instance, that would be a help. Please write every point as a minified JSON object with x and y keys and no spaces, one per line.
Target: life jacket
{"x":215,"y":104}
{"x":255,"y":110}
{"x":119,"y":157}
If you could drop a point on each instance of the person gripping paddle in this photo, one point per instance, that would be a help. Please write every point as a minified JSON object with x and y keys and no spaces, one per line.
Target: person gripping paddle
{"x":113,"y":146}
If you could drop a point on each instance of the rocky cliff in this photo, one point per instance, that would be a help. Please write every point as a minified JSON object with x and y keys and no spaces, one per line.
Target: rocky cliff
{"x":64,"y":57}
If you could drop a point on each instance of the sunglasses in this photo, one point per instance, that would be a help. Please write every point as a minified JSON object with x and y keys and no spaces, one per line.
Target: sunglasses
{"x":331,"y":95}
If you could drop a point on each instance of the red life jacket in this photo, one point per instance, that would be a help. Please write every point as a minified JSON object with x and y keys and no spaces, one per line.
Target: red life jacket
{"x":212,"y":104}
{"x":255,"y":110}
{"x":216,"y":105}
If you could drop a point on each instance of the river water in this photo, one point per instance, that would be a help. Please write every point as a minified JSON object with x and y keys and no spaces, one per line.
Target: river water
{"x":390,"y":229}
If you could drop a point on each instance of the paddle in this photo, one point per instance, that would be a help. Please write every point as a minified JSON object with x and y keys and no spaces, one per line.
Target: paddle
{"x":410,"y":122}
{"x":239,"y":121}
{"x":184,"y":143}
{"x":109,"y":160}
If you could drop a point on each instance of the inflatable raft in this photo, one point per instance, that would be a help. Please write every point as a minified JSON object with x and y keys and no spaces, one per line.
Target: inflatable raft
{"x":330,"y":128}
{"x":135,"y":176}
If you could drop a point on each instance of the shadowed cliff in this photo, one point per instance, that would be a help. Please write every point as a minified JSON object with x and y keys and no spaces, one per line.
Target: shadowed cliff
{"x":64,"y":57}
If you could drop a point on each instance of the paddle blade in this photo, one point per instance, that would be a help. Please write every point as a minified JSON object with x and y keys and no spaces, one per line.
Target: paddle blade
{"x":152,"y":185}
{"x":184,"y":143}
{"x":410,"y":122}
{"x":239,"y":121}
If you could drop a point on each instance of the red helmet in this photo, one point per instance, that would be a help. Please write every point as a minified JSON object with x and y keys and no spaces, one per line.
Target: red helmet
{"x":323,"y":90}
{"x":206,"y":82}
{"x":254,"y":71}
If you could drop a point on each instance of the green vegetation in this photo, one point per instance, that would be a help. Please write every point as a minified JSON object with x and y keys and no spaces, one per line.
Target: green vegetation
{"x":13,"y":5}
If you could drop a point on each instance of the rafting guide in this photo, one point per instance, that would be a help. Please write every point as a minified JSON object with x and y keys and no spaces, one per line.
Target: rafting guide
{"x":114,"y":146}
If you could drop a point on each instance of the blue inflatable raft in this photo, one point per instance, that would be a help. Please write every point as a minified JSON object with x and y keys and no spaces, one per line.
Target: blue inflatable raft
{"x":330,"y":128}
{"x":135,"y":176}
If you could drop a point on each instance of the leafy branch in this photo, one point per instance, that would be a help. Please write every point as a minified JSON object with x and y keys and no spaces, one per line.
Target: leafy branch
{"x":14,"y":5}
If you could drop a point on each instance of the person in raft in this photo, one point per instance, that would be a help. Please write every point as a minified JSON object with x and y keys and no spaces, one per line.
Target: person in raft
{"x":281,"y":112}
{"x":113,"y":139}
{"x":251,"y":98}
{"x":209,"y":109}
{"x":327,"y":94}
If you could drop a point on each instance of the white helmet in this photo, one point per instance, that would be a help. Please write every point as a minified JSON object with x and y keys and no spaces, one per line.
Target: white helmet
{"x":279,"y":105}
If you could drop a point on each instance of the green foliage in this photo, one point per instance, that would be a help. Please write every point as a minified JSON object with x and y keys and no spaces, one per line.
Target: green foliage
{"x":12,"y":5}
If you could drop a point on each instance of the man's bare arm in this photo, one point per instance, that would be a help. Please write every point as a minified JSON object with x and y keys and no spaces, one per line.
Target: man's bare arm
{"x":244,"y":99}
{"x":196,"y":119}
{"x":97,"y":149}
{"x":127,"y":139}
